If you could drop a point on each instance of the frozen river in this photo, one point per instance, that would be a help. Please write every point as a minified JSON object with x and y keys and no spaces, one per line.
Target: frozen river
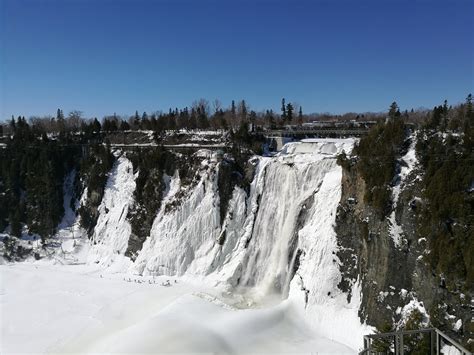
{"x":48,"y":308}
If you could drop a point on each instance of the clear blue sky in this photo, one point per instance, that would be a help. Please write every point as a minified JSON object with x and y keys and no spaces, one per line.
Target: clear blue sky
{"x":104,"y":56}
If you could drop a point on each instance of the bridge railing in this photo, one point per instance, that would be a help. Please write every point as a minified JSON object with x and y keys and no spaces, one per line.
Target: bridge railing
{"x":317,"y":131}
{"x":395,"y":343}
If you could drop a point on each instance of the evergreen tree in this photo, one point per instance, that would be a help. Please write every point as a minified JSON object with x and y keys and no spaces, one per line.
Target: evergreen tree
{"x":444,"y":115}
{"x":232,"y":108}
{"x":59,"y":114}
{"x":124,"y":126}
{"x":289,"y":112}
{"x":300,"y":116}
{"x":469,"y":111}
{"x":61,"y":122}
{"x":109,"y":125}
{"x":243,"y":111}
{"x":192,"y":119}
{"x":96,"y":127}
{"x":222,"y":123}
{"x":172,"y":121}
{"x":283,"y":109}
{"x":13,"y":125}
{"x":394,"y":111}
{"x":136,"y":121}
{"x":183,"y":120}
{"x":202,"y":121}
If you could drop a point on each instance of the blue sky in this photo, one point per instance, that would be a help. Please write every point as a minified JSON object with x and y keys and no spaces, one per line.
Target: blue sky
{"x":104,"y":56}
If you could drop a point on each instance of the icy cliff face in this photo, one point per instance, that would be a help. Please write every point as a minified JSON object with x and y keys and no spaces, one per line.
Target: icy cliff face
{"x":111,"y":233}
{"x":277,"y":239}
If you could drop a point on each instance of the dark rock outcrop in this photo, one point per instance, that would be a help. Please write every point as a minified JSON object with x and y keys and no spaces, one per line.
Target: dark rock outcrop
{"x":391,"y":276}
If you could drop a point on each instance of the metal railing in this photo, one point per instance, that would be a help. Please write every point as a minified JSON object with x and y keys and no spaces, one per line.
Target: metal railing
{"x":317,"y":131}
{"x":397,"y":346}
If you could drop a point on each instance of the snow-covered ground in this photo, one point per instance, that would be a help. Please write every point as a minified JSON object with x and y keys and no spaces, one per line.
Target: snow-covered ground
{"x":46,"y":308}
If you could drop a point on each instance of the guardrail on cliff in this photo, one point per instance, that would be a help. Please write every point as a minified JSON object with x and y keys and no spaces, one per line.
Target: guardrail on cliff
{"x":394,"y":341}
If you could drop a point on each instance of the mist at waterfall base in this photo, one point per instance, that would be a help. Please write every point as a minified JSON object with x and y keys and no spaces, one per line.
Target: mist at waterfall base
{"x":240,"y":297}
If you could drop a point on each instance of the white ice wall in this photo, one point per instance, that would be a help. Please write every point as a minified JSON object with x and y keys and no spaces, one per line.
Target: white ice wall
{"x":112,"y":231}
{"x":183,"y":239}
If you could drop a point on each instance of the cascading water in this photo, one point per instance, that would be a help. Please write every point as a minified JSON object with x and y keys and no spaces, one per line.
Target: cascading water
{"x":286,"y":186}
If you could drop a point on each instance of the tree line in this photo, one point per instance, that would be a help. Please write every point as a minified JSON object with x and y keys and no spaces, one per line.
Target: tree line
{"x":201,"y":115}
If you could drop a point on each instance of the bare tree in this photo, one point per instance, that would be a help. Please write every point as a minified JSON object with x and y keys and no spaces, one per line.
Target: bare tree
{"x":74,"y":120}
{"x":216,"y":105}
{"x":43,"y":124}
{"x":201,"y":104}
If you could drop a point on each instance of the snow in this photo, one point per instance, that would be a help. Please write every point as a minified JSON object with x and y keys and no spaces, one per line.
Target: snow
{"x":458,"y":325}
{"x":408,"y":309}
{"x":408,"y":164}
{"x":327,"y":309}
{"x":182,"y":239}
{"x":75,"y":309}
{"x":450,"y":350}
{"x":319,"y":147}
{"x":111,"y":234}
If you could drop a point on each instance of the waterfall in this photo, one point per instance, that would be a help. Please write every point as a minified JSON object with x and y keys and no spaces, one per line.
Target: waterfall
{"x":287,"y":185}
{"x":279,"y":239}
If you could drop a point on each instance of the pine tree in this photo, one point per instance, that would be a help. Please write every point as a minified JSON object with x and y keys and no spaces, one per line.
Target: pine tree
{"x":300,"y":116}
{"x":13,"y":125}
{"x":289,"y":112}
{"x":96,"y":127}
{"x":124,"y":126}
{"x":283,"y":109}
{"x":193,"y":119}
{"x":394,"y":111}
{"x":136,"y":121}
{"x":243,"y":111}
{"x":444,"y":115}
{"x":469,"y":111}
{"x":59,"y":114}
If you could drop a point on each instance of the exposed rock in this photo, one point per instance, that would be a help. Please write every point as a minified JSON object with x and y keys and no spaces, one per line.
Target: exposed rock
{"x":367,"y":252}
